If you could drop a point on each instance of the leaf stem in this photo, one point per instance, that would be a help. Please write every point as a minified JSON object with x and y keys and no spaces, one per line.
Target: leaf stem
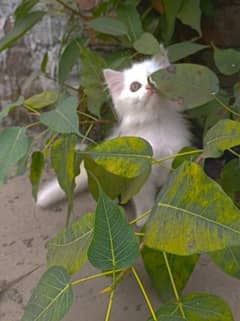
{"x":192,"y":152}
{"x":139,"y":282}
{"x":233,"y":152}
{"x":67,"y":7}
{"x":174,"y":285}
{"x":95,"y":276}
{"x":109,"y":306}
{"x":32,"y":124}
{"x":31,"y":109}
{"x":228,"y":108}
{"x":140,"y":217}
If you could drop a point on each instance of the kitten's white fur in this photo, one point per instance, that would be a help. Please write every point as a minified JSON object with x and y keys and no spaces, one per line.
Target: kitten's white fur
{"x":144,"y":114}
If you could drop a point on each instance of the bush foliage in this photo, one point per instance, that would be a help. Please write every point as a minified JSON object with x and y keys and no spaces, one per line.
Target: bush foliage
{"x":193,"y":213}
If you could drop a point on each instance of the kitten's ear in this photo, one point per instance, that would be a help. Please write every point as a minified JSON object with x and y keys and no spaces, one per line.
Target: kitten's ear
{"x":114,"y":81}
{"x":162,"y":57}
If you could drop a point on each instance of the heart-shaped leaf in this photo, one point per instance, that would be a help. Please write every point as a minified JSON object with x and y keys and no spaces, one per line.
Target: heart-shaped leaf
{"x":121,"y":165}
{"x":63,"y":119}
{"x":198,"y":307}
{"x":114,"y":245}
{"x":66,"y":165}
{"x":189,"y":84}
{"x":188,"y":219}
{"x":180,"y":50}
{"x":14,"y":146}
{"x":52,"y":297}
{"x":224,"y":135}
{"x":227,"y":60}
{"x":21,"y":27}
{"x":109,"y":26}
{"x":181,"y":268}
{"x":147,"y":44}
{"x":190,"y":14}
{"x":69,"y":247}
{"x":41,"y":100}
{"x":10,"y":107}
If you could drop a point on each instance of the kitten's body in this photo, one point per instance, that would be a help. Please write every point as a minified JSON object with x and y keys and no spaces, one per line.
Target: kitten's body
{"x":144,"y":114}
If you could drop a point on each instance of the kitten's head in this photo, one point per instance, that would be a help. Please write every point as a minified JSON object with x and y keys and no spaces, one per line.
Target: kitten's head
{"x":130,"y":88}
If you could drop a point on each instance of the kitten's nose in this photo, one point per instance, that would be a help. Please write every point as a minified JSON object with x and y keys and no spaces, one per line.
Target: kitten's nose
{"x":149,"y":88}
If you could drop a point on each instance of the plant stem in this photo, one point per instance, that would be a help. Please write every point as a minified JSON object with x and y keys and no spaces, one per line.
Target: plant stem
{"x":233,"y":152}
{"x":32,"y":124}
{"x":192,"y":152}
{"x":139,"y":282}
{"x":67,"y":7}
{"x":109,"y":306}
{"x":95,"y":276}
{"x":140,"y":217}
{"x":174,"y":285}
{"x":139,"y":234}
{"x":228,"y":108}
{"x":31,"y":109}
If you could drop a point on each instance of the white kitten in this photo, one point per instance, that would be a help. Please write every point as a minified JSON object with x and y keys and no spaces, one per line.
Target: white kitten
{"x":143,"y":113}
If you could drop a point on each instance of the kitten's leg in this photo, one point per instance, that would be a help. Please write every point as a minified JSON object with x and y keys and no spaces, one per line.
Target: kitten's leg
{"x":145,"y":200}
{"x":52,"y":192}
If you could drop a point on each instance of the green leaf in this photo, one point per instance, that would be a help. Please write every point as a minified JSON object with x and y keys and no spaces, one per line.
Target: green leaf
{"x":128,"y":14}
{"x":191,"y":85}
{"x":190,"y":14}
{"x":44,"y":63}
{"x":10,"y":107}
{"x":68,"y":59}
{"x":109,"y":26}
{"x":121,"y":165}
{"x":188,"y":219}
{"x":52,"y":297}
{"x":69,"y":247}
{"x":65,"y":164}
{"x":24,"y":7}
{"x":36,"y":169}
{"x":227,"y":60}
{"x":14,"y":146}
{"x":181,"y":267}
{"x":178,"y":160}
{"x":91,"y":79}
{"x":147,"y":44}
{"x":22,"y":164}
{"x":64,"y":118}
{"x":224,"y":135}
{"x":228,"y":260}
{"x":180,"y":50}
{"x":114,"y":245}
{"x":171,"y":9}
{"x":230,"y":177}
{"x":21,"y":27}
{"x":42,"y":100}
{"x":198,"y":307}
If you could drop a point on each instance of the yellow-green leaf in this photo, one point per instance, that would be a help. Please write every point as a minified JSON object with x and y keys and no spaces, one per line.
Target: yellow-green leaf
{"x":69,"y":247}
{"x":192,"y":215}
{"x":121,"y":165}
{"x":52,"y":297}
{"x":41,"y":100}
{"x":198,"y":307}
{"x":181,"y":268}
{"x":227,"y":60}
{"x":224,"y":135}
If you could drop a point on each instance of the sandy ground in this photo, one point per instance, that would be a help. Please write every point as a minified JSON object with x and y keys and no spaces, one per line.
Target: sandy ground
{"x":23,"y":235}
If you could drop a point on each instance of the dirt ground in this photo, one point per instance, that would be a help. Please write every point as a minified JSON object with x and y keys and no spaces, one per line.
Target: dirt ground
{"x":24,"y":231}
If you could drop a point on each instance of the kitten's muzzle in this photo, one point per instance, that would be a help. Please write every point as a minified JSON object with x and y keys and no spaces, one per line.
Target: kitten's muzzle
{"x":150,"y":89}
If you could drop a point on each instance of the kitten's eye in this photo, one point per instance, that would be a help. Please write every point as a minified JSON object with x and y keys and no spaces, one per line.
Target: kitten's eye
{"x":135,"y":86}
